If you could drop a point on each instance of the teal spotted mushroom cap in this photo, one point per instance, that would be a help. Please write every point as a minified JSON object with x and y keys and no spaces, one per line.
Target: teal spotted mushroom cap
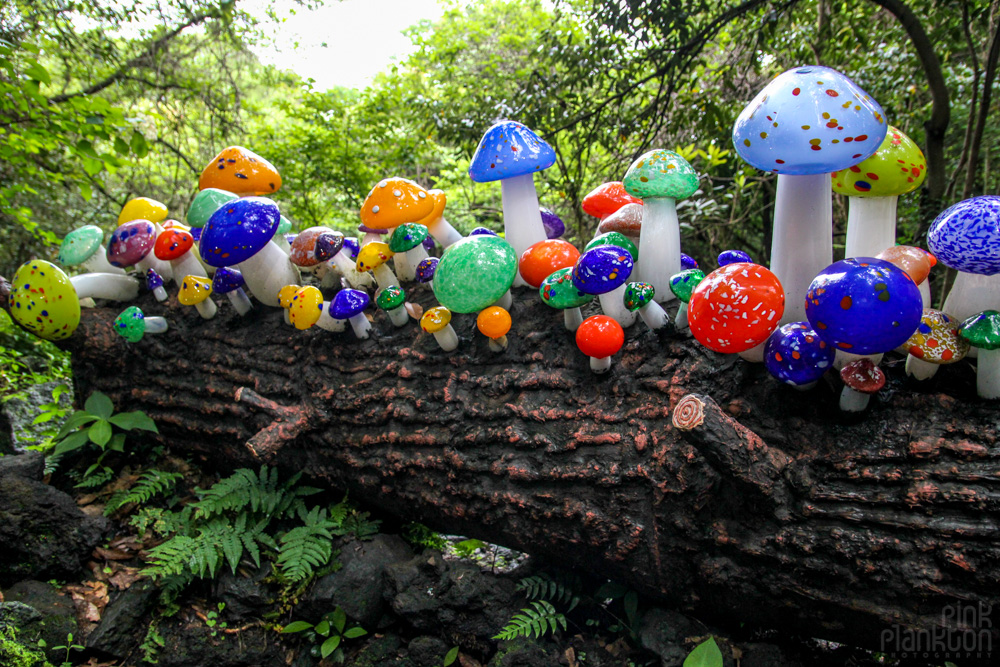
{"x":205,"y":203}
{"x":474,"y":273}
{"x":131,"y":324}
{"x":558,"y":291}
{"x":982,"y":330}
{"x":407,"y":237}
{"x":638,"y":295}
{"x":683,"y":283}
{"x":615,"y":239}
{"x":390,"y":298}
{"x":661,"y":174}
{"x":80,"y":245}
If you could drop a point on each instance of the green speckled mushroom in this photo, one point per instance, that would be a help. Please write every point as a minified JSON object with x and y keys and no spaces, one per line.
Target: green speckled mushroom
{"x":391,"y":300}
{"x":474,"y":273}
{"x":642,"y":297}
{"x":660,"y":178}
{"x":982,"y":331}
{"x":682,"y":285}
{"x":559,"y":292}
{"x":205,"y":203}
{"x":132,"y":324}
{"x":84,"y":248}
{"x":407,"y":242}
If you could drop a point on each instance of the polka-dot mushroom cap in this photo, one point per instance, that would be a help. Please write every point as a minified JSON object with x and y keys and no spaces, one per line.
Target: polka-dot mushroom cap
{"x":897,"y":167}
{"x":637,"y":295}
{"x":684,"y":283}
{"x":43,"y":301}
{"x":602,"y":269}
{"x":661,"y":173}
{"x":305,"y":307}
{"x":240,"y":171}
{"x":394,"y":201}
{"x":796,"y":355}
{"x":238,"y":230}
{"x":558,"y":291}
{"x":615,"y":239}
{"x":936,"y":339}
{"x":305,"y":250}
{"x":131,"y":324}
{"x":966,"y":236}
{"x":809,"y":120}
{"x":736,"y":307}
{"x":509,"y":149}
{"x":131,"y":242}
{"x":80,"y":245}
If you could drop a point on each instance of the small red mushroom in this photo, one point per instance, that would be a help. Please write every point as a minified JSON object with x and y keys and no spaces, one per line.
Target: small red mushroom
{"x":600,"y":337}
{"x":861,"y":379}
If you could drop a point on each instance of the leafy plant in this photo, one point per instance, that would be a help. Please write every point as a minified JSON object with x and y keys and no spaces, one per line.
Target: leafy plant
{"x":467,"y":548}
{"x":536,"y":620}
{"x":328,"y":634}
{"x":151,"y":644}
{"x":150,"y":484}
{"x":52,"y":411}
{"x":450,"y":657}
{"x":419,"y":535}
{"x":69,"y":647}
{"x":705,"y":654}
{"x":543,"y":587}
{"x":212,"y":619}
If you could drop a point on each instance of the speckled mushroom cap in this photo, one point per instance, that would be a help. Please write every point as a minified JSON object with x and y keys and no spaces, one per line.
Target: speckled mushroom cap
{"x":304,"y":248}
{"x":982,"y":330}
{"x":607,"y":199}
{"x":425,"y":269}
{"x":407,"y":237}
{"x":131,"y":324}
{"x":661,"y":174}
{"x":305,"y":308}
{"x":474,"y":273}
{"x":153,"y":280}
{"x":736,"y":307}
{"x":373,"y":255}
{"x":80,"y":245}
{"x":554,"y":226}
{"x":353,"y":246}
{"x":227,"y":280}
{"x":286,"y":294}
{"x":172,"y":244}
{"x":391,"y":297}
{"x":328,"y":245}
{"x":483,"y":231}
{"x":43,"y":301}
{"x":238,"y":230}
{"x":602,"y":269}
{"x":348,"y":303}
{"x":194,"y":290}
{"x":897,"y":167}
{"x":509,"y":149}
{"x":394,"y":201}
{"x":688,"y":262}
{"x":796,"y":355}
{"x":241,"y":171}
{"x":131,"y":242}
{"x":936,"y":339}
{"x":439,"y":199}
{"x":142,"y":208}
{"x":966,"y":236}
{"x":638,"y":295}
{"x":863,"y":305}
{"x":205,"y":203}
{"x":863,"y":376}
{"x":682,"y":284}
{"x":627,"y":220}
{"x":615,"y":239}
{"x":733,"y":256}
{"x":809,"y":120}
{"x":915,"y":261}
{"x":435,"y":319}
{"x":558,"y":291}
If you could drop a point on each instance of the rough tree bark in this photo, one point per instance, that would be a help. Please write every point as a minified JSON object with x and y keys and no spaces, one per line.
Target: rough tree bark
{"x":771,"y":507}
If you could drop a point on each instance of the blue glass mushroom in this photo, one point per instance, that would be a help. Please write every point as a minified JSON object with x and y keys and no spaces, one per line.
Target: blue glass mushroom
{"x":603,"y":270}
{"x":554,"y":226}
{"x":154,"y":283}
{"x":230,"y":282}
{"x":688,"y":262}
{"x":425,"y":271}
{"x":733,"y":256}
{"x":350,"y":304}
{"x":796,"y":355}
{"x":483,"y":231}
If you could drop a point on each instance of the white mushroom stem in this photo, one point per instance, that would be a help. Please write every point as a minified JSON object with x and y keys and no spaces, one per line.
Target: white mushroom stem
{"x":155,"y":325}
{"x":360,"y":324}
{"x":572,"y":318}
{"x":871,"y":225}
{"x":659,"y":246}
{"x":600,"y":364}
{"x":614,"y":307}
{"x":98,"y":263}
{"x":188,"y":265}
{"x":654,"y":316}
{"x":160,"y":293}
{"x":522,"y":219}
{"x":206,"y":309}
{"x":405,"y":262}
{"x":241,"y":302}
{"x":505,"y":301}
{"x":111,"y":286}
{"x":925,"y":293}
{"x":988,"y":374}
{"x":853,"y":401}
{"x":802,"y":237}
{"x":347,"y":269}
{"x":971,"y":294}
{"x":447,"y":338}
{"x":371,"y":237}
{"x":384,"y":276}
{"x":804,"y":387}
{"x":681,"y":321}
{"x":498,"y":344}
{"x":398,"y":316}
{"x":151,"y":262}
{"x":288,"y":316}
{"x":920,"y":369}
{"x":282,"y":243}
{"x":328,"y":322}
{"x":755,"y":355}
{"x":267,"y":272}
{"x":446,"y":235}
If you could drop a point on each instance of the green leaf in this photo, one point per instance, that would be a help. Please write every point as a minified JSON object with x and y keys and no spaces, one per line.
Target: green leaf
{"x":117,"y":443}
{"x":92,"y":166}
{"x":100,"y":405}
{"x":121,"y":147}
{"x":138,"y":145}
{"x":296,"y":626}
{"x":355,"y":632}
{"x":131,"y":420}
{"x":329,"y":646}
{"x":86,"y":191}
{"x":71,"y":442}
{"x":100,"y":432}
{"x":339,"y":619}
{"x":631,"y":606}
{"x":75,"y":421}
{"x":705,"y":654}
{"x":450,"y":657}
{"x":323,"y":628}
{"x":38,"y":73}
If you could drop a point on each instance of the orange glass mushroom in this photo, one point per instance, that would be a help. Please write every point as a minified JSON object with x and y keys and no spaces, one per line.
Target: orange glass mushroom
{"x":241,"y":171}
{"x":494,"y":323}
{"x":542,"y":259}
{"x":736,"y":307}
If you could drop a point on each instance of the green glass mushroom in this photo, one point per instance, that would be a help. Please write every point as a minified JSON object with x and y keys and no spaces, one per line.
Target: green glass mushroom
{"x":84,"y":248}
{"x":615,"y":239}
{"x":660,"y":178}
{"x":474,"y":273}
{"x":641,"y":297}
{"x":132,"y":324}
{"x":205,"y":203}
{"x":559,"y":292}
{"x":280,"y":239}
{"x":407,"y":242}
{"x":391,"y":300}
{"x":682,"y":285}
{"x":983,"y":331}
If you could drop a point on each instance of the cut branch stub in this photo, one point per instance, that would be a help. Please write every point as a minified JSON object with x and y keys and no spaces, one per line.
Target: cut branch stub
{"x":289,"y":423}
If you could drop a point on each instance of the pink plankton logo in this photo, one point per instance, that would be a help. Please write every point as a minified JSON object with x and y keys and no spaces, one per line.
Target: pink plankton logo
{"x":965,"y":632}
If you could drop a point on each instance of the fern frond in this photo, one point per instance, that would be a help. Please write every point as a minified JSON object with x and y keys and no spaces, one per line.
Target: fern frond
{"x":305,"y":548}
{"x":541,"y":587}
{"x":537,"y":620}
{"x":150,"y":484}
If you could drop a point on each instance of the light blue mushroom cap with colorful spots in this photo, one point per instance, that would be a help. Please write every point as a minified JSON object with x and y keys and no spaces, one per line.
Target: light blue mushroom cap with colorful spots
{"x":509,"y":149}
{"x":809,"y":120}
{"x":966,"y":236}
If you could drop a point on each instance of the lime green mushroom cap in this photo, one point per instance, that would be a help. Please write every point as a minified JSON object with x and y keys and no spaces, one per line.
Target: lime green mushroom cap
{"x":615,"y":239}
{"x":982,"y":330}
{"x":390,"y":298}
{"x":897,"y":167}
{"x":80,"y":245}
{"x":407,"y":237}
{"x":661,"y":174}
{"x":682,"y":284}
{"x":131,"y":324}
{"x":205,"y":203}
{"x":44,"y":301}
{"x":558,"y":290}
{"x":474,"y":273}
{"x":638,"y":295}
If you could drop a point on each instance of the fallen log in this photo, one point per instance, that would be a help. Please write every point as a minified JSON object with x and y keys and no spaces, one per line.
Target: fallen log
{"x":690,"y":476}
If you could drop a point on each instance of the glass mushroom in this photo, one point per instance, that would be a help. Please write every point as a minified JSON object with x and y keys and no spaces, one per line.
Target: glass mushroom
{"x":285,"y":296}
{"x":494,"y":323}
{"x":407,"y":242}
{"x":607,"y":199}
{"x":437,"y":321}
{"x":733,"y":256}
{"x":132,"y":244}
{"x":982,"y":331}
{"x":392,"y":300}
{"x":143,"y":208}
{"x":195,"y":291}
{"x":84,"y":248}
{"x":553,"y":224}
{"x":557,"y":291}
{"x":230,"y":282}
{"x":307,"y":309}
{"x":305,"y":252}
{"x":373,"y":257}
{"x":435,"y":222}
{"x":935,"y":342}
{"x":641,"y":297}
{"x":600,"y":337}
{"x":682,"y":285}
{"x":43,"y":301}
{"x":797,"y":356}
{"x":336,"y":249}
{"x":483,"y":231}
{"x":917,"y":263}
{"x":474,"y":273}
{"x":132,"y":324}
{"x":627,"y":221}
{"x":241,"y":171}
{"x":425,"y":271}
{"x":154,"y":283}
{"x":205,"y":203}
{"x":603,"y":271}
{"x":688,"y":262}
{"x":735,"y":308}
{"x":350,"y":304}
{"x":175,"y":246}
{"x":862,"y":378}
{"x":392,"y":202}
{"x":543,"y":258}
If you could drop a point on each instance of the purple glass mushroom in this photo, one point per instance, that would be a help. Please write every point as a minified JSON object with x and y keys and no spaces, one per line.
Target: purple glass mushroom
{"x":230,"y":282}
{"x":483,"y":231}
{"x":603,"y":270}
{"x":132,"y":244}
{"x":733,"y":256}
{"x":688,"y":262}
{"x":154,"y":283}
{"x":554,"y":226}
{"x":350,"y":304}
{"x":796,"y":355}
{"x":425,"y":271}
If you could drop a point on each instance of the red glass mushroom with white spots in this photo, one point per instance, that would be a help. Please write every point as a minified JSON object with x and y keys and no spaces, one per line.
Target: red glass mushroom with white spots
{"x":736,"y":307}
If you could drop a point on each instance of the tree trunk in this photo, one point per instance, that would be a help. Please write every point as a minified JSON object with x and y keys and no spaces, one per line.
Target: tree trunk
{"x":690,"y":476}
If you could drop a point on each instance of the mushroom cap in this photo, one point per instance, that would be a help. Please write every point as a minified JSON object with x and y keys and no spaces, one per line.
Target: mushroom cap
{"x":474,"y":273}
{"x":348,"y":303}
{"x":227,"y":280}
{"x":966,"y":236}
{"x":306,"y":307}
{"x":627,"y":220}
{"x":407,"y":237}
{"x":131,"y":324}
{"x":982,"y":330}
{"x":425,"y":269}
{"x":43,"y":301}
{"x":682,"y":284}
{"x":863,"y":376}
{"x":153,"y":280}
{"x":394,"y":201}
{"x":142,"y":208}
{"x":688,"y":262}
{"x":194,"y":290}
{"x":373,"y":255}
{"x":796,"y":355}
{"x":428,"y":244}
{"x":391,"y":297}
{"x":544,"y":257}
{"x":509,"y":149}
{"x":733,"y":256}
{"x":327,"y":245}
{"x":131,"y":242}
{"x":736,"y":307}
{"x":439,"y":199}
{"x":602,"y":269}
{"x":80,"y":245}
{"x":353,"y":246}
{"x":600,"y":336}
{"x":305,"y":249}
{"x":558,"y":291}
{"x":809,"y":120}
{"x":170,"y":223}
{"x":284,"y":226}
{"x":493,"y":322}
{"x":241,"y":171}
{"x":286,"y":294}
{"x":172,"y":244}
{"x":863,"y":305}
{"x":606,"y":199}
{"x":205,"y":203}
{"x":435,"y":319}
{"x":554,"y":226}
{"x":638,"y":295}
{"x":237,"y":231}
{"x":661,"y":174}
{"x":936,"y":339}
{"x":897,"y":167}
{"x":915,"y":261}
{"x":483,"y":231}
{"x":615,"y":239}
